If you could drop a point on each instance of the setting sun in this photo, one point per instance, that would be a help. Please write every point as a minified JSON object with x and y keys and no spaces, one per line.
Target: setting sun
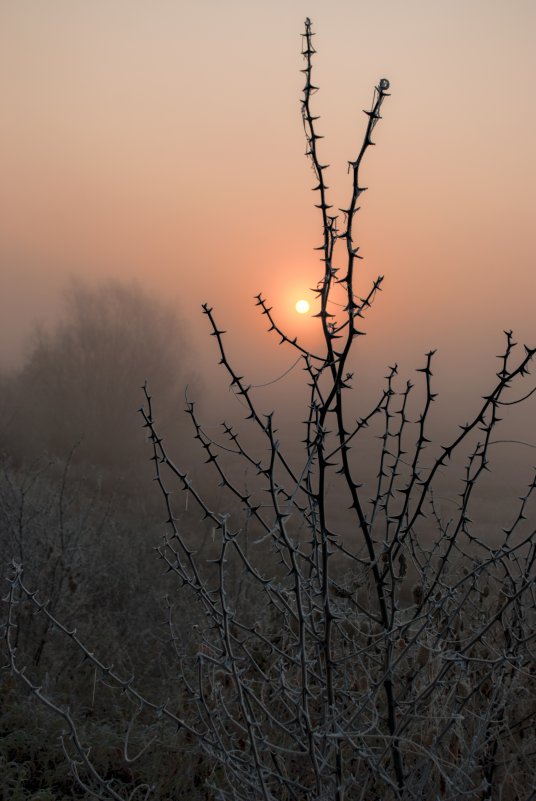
{"x":302,"y":307}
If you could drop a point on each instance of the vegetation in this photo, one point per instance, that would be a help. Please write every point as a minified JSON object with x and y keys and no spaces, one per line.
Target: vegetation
{"x":86,"y":373}
{"x":332,"y":634}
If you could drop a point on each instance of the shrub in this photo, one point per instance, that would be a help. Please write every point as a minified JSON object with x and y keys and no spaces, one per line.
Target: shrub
{"x":381,"y":653}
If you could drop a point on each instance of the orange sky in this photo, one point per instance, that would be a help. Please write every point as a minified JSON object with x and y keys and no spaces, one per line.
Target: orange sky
{"x":162,"y":140}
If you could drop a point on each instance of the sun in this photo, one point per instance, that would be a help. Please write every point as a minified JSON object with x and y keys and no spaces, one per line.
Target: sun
{"x":302,"y":306}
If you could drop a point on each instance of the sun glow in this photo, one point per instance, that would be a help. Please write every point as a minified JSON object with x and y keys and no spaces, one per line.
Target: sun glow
{"x":302,"y":307}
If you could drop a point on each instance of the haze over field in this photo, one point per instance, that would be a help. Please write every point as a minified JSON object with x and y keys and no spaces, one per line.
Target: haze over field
{"x":330,"y":594}
{"x":162,"y":142}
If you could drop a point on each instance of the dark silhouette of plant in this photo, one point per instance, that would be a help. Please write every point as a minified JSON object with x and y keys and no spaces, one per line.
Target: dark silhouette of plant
{"x":386,"y":652}
{"x":78,"y":382}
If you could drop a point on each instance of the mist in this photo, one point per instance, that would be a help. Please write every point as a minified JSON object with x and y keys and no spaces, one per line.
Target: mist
{"x":269,"y":519}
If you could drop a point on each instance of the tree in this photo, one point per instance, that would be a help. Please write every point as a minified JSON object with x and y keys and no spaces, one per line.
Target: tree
{"x":79,"y":382}
{"x":387,"y":656}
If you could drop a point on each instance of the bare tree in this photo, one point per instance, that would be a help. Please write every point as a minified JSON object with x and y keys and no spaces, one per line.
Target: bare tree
{"x":387,"y":653}
{"x":79,"y":381}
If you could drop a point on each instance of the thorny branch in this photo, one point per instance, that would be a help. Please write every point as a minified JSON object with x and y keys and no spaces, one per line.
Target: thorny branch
{"x":380,"y":652}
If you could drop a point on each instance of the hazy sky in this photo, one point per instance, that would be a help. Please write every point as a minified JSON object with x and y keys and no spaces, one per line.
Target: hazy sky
{"x":162,"y":141}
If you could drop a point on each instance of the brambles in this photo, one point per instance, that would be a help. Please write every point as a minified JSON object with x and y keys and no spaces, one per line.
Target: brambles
{"x":381,"y":652}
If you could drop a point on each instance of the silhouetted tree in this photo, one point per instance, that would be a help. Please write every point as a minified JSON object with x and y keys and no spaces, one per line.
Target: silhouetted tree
{"x":80,"y":381}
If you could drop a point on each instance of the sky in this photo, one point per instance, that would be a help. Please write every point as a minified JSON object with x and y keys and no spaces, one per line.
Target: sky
{"x":161,"y":141}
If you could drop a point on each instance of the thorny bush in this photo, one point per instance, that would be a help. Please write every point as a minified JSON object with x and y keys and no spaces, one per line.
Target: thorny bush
{"x":387,"y":656}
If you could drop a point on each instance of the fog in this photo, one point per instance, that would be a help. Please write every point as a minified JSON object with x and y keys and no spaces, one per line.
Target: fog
{"x":318,"y":571}
{"x":78,"y":388}
{"x":153,"y":162}
{"x":168,"y":148}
